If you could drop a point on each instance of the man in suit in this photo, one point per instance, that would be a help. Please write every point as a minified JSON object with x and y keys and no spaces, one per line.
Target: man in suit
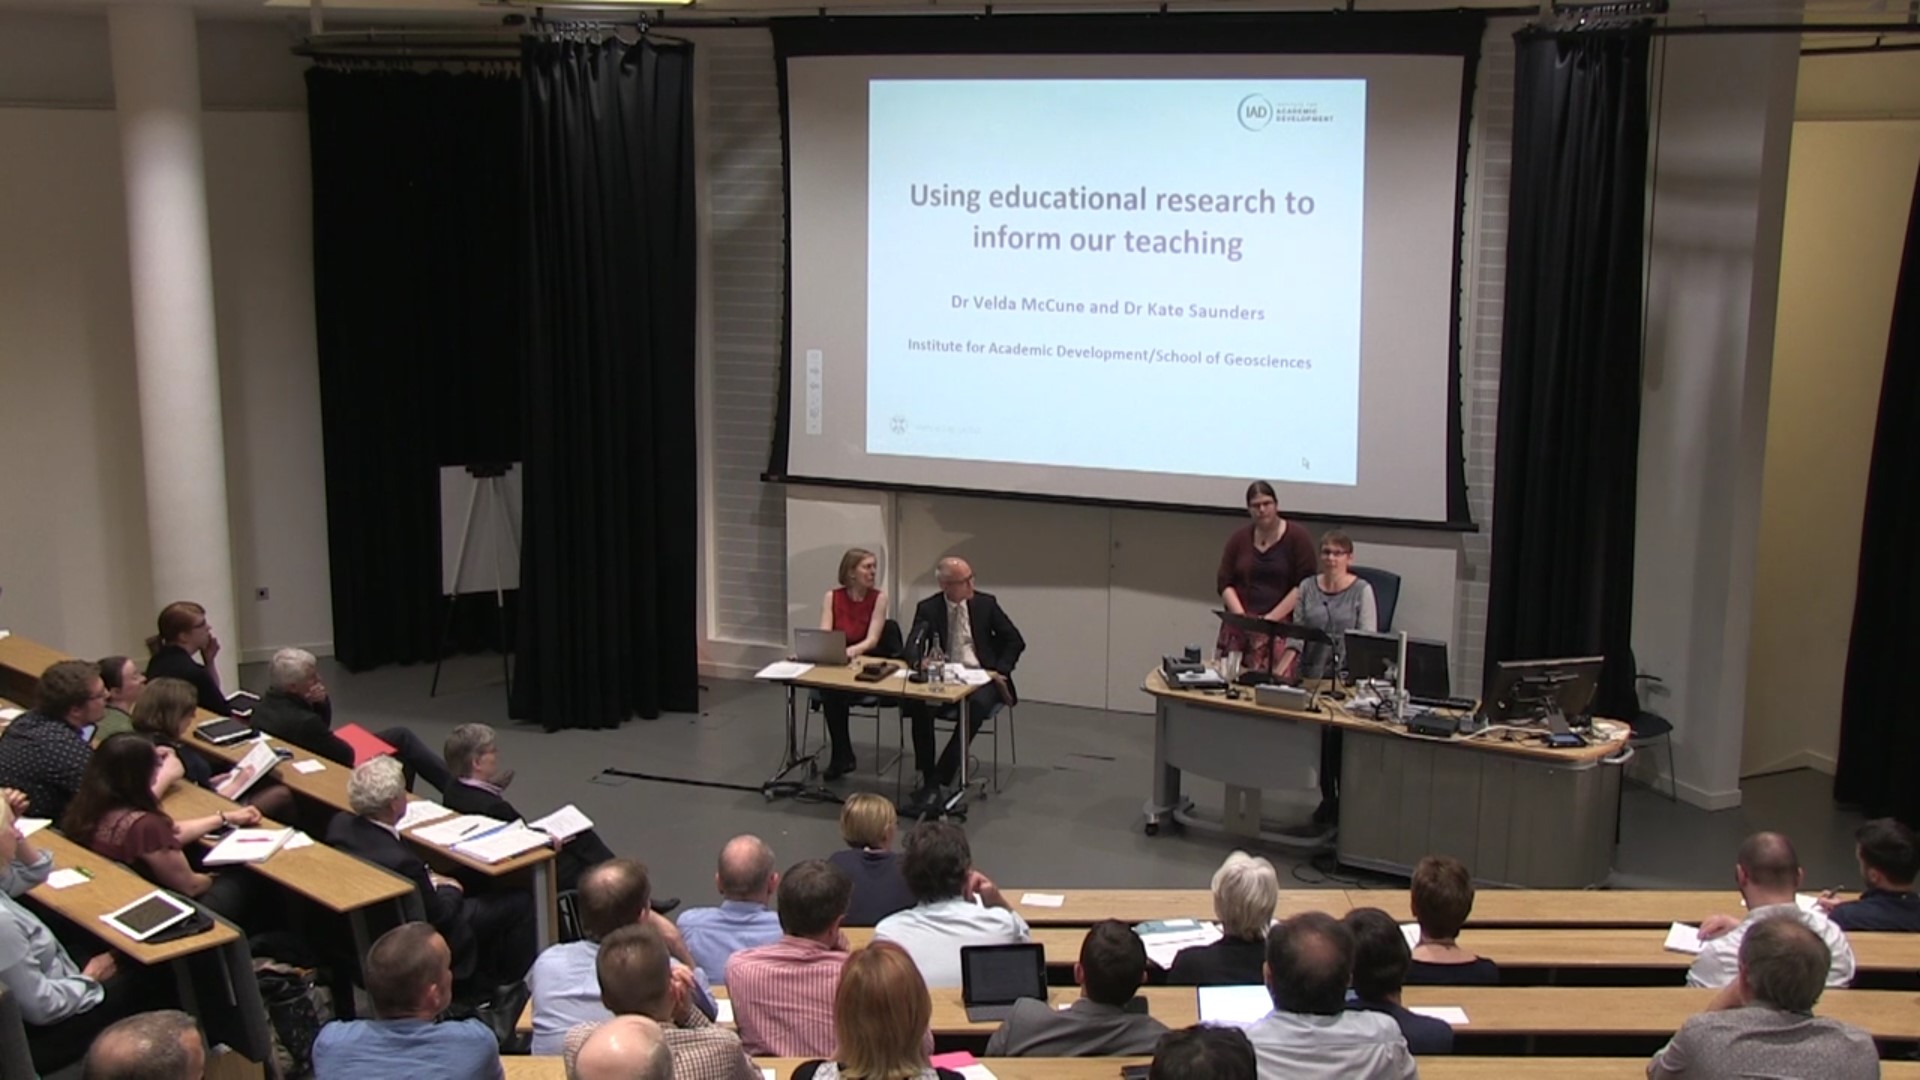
{"x":970,"y":627}
{"x":296,"y":709}
{"x":491,"y":934}
{"x":1113,"y":964}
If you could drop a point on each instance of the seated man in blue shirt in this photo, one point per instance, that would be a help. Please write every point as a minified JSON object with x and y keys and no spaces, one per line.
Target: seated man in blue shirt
{"x":409,"y":975}
{"x":746,"y":881}
{"x":1889,"y":860}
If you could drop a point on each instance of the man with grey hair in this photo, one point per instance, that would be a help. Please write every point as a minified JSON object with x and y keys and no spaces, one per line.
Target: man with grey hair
{"x":1762,"y":1023}
{"x":746,"y":880}
{"x":297,"y":709}
{"x":473,"y":760}
{"x":491,"y":935}
{"x":624,"y":1048}
{"x":160,"y":1045}
{"x":971,"y":629}
{"x":1245,"y":890}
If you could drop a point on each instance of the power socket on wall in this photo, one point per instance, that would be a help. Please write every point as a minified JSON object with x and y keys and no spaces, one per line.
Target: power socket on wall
{"x":260,"y":593}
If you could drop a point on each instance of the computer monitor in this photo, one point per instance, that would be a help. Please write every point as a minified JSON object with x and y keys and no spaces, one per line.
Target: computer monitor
{"x":1372,"y":656}
{"x":1524,"y":691}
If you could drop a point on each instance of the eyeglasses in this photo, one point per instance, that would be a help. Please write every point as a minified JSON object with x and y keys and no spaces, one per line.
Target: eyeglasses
{"x":1331,"y":552}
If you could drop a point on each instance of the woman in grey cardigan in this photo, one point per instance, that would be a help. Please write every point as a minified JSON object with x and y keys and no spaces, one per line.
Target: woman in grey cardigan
{"x":1335,"y":600}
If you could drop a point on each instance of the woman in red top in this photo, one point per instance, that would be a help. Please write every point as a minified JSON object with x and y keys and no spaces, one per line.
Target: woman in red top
{"x":116,"y":815}
{"x":1258,"y":572}
{"x":859,"y":611}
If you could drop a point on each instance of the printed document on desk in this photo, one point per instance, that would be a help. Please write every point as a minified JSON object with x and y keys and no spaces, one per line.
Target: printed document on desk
{"x":419,"y":812}
{"x":503,"y":843}
{"x":782,"y":670}
{"x":456,"y":829}
{"x":564,"y":823}
{"x":247,"y":846}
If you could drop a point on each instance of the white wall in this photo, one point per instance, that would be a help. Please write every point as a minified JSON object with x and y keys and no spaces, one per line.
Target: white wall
{"x":75,"y":562}
{"x":1718,"y":190}
{"x":1848,"y":195}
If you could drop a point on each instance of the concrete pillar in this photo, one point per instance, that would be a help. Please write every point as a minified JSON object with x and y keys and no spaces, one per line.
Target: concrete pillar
{"x":156,"y":84}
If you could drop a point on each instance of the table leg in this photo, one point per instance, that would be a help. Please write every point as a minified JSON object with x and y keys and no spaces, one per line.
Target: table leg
{"x":546,"y":903}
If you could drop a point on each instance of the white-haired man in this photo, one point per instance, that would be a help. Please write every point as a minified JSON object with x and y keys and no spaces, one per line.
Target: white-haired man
{"x":971,"y":628}
{"x":297,"y":709}
{"x":491,"y":934}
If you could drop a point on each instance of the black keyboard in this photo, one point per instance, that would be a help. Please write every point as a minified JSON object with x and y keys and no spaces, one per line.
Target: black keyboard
{"x":1460,"y":703}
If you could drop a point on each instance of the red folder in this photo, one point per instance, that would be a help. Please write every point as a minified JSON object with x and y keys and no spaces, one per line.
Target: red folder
{"x":366,"y":745}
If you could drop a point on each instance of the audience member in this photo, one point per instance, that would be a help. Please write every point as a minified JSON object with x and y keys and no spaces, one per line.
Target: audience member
{"x":624,"y":1048}
{"x":63,"y":1003}
{"x":1111,"y":969}
{"x":746,"y":880}
{"x":881,"y":1012}
{"x":490,"y":935}
{"x":1311,"y":1033}
{"x":1762,"y":1023}
{"x":867,"y":824}
{"x":118,"y":815}
{"x":297,"y":709}
{"x":1442,"y":899}
{"x":165,"y":715}
{"x":161,"y":1045}
{"x":1245,"y":891}
{"x":185,"y":649}
{"x":124,"y":681}
{"x":955,"y":905}
{"x":1380,"y":962}
{"x":1889,"y":860}
{"x":44,"y":753}
{"x":1204,"y":1052}
{"x":478,"y":786}
{"x":409,"y":976}
{"x":783,"y":992}
{"x":1768,"y":874}
{"x":636,"y":979}
{"x":566,"y":991}
{"x":29,"y":864}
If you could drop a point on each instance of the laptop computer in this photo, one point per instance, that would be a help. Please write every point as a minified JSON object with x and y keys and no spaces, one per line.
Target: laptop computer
{"x":1234,"y":1006}
{"x":819,"y":646}
{"x":993,"y":977}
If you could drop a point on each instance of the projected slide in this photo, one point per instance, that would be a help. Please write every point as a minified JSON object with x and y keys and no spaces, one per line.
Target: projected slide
{"x":1150,"y":275}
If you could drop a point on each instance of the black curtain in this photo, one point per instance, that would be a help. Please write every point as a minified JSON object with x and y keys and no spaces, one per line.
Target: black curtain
{"x":1879,"y":741}
{"x":607,"y":623}
{"x":1569,"y":426}
{"x":415,"y":192}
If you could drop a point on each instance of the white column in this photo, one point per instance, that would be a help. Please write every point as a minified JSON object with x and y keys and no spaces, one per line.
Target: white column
{"x":156,"y":81}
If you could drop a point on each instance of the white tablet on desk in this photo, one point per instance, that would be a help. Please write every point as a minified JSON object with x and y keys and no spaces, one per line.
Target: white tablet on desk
{"x":148,"y":915}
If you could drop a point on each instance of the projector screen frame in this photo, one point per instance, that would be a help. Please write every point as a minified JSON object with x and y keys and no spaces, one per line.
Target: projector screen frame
{"x":1452,"y":33}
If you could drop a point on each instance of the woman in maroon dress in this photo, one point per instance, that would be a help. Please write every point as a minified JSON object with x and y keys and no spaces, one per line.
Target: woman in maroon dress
{"x":1259,"y":569}
{"x":858,"y":610}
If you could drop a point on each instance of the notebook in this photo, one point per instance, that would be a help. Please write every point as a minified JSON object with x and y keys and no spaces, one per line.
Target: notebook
{"x":366,"y":745}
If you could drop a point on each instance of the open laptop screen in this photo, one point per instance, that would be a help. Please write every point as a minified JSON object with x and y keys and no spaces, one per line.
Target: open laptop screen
{"x":1234,"y":1006}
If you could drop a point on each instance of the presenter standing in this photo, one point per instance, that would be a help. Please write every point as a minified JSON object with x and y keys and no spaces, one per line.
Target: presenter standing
{"x":1259,"y":571}
{"x":858,"y":610}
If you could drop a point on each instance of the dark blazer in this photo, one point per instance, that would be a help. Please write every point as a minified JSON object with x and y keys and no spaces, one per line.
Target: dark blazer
{"x":1227,"y":962}
{"x":996,"y":641}
{"x":445,"y":907}
{"x":294,"y":719}
{"x":174,"y":662}
{"x":1425,"y":1035}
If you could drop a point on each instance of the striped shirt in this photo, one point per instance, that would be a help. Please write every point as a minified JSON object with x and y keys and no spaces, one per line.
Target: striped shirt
{"x":783,"y":997}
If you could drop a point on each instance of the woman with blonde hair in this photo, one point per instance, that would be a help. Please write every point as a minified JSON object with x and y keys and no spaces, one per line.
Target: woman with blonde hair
{"x":881,"y":1013}
{"x":858,"y":609}
{"x":868,"y":825}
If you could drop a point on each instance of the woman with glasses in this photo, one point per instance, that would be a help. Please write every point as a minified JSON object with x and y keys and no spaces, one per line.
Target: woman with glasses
{"x":1335,"y":600}
{"x":1258,"y":571}
{"x":184,"y":649}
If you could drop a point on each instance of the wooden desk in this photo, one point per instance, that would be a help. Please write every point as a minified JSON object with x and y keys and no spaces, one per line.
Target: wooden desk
{"x":1525,"y":1010}
{"x":112,"y":887}
{"x":1571,"y":907}
{"x":1033,"y":1068}
{"x":1443,"y":1067}
{"x":1084,"y":907}
{"x":895,"y":689}
{"x":544,"y":1068}
{"x":334,"y":879}
{"x":1518,"y":813}
{"x":22,"y":662}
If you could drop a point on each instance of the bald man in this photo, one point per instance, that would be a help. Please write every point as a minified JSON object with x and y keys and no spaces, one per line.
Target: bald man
{"x":970,"y":628}
{"x":162,"y":1045}
{"x":746,"y":880}
{"x":1768,"y":873}
{"x":624,"y":1048}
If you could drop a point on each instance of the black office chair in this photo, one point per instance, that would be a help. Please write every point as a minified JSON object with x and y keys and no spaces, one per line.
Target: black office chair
{"x":1386,"y":593}
{"x":1648,"y":727}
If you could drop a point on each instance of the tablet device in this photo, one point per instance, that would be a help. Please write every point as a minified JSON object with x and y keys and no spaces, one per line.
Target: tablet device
{"x":148,"y":915}
{"x":1234,"y":1006}
{"x":993,"y":977}
{"x":223,"y":732}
